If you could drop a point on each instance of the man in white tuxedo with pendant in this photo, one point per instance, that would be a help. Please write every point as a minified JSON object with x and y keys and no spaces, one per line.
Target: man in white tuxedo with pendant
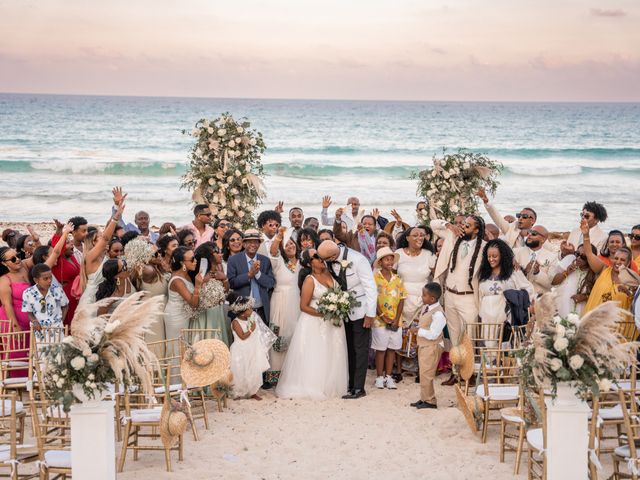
{"x":353,"y":272}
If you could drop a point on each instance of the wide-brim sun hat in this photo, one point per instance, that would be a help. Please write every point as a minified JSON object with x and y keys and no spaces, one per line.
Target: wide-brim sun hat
{"x":462,"y":356}
{"x":205,"y":362}
{"x":252,"y":234}
{"x":173,"y":423}
{"x":385,"y":252}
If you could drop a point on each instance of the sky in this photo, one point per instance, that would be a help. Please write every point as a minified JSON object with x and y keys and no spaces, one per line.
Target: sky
{"x":465,"y":50}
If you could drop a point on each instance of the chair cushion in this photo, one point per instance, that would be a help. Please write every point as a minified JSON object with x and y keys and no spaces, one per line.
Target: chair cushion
{"x":509,"y":415}
{"x":15,"y":363}
{"x":622,"y":451}
{"x":613,"y":413}
{"x":5,"y":451}
{"x":146,"y":414}
{"x":58,"y":458}
{"x":15,"y":380}
{"x":172,"y":388}
{"x":5,"y":409}
{"x":534,"y":438}
{"x":498,"y":392}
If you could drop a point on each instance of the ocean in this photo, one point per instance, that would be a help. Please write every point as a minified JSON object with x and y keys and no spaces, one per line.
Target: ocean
{"x":61,"y":155}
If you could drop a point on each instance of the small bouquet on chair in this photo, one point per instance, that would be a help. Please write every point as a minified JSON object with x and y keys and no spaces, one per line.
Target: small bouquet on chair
{"x":336,"y":305}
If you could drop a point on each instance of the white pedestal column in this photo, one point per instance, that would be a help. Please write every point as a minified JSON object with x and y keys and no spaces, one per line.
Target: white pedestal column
{"x":93,"y":441}
{"x":567,"y":436}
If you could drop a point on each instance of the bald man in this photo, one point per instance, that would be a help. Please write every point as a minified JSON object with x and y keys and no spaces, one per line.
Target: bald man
{"x":537,"y":262}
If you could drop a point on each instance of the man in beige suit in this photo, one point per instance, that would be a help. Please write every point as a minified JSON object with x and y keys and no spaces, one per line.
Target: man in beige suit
{"x":457,"y":271}
{"x":537,"y":263}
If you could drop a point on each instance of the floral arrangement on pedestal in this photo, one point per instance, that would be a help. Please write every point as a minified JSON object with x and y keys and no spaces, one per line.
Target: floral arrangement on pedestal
{"x":450,"y":186}
{"x":225,"y":169}
{"x":336,"y":305}
{"x":103,"y":350}
{"x":589,"y":353}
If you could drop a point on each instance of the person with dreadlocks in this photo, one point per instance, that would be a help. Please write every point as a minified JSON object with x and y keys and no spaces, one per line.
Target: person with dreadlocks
{"x":457,"y":271}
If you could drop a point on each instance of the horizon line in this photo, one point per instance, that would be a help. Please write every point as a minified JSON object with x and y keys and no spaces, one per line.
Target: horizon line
{"x":387,"y":100}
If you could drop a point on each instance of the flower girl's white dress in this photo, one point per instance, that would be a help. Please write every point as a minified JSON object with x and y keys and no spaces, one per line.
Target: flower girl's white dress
{"x":250,"y":357}
{"x":316,"y":365}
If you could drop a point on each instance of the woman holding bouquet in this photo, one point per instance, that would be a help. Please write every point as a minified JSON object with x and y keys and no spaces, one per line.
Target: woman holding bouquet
{"x":285,"y":300}
{"x":316,"y":365}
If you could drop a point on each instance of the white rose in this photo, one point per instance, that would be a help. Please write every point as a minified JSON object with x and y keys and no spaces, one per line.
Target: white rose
{"x":240,"y":130}
{"x":556,"y":319}
{"x":87,"y":383}
{"x":232,"y":144}
{"x":252,"y":142}
{"x":91,"y":376}
{"x":86,"y":352}
{"x":64,"y":372}
{"x":466,"y":165}
{"x":111,"y":326}
{"x":247,"y":168}
{"x":219,"y":176}
{"x":210,"y":130}
{"x":331,"y":308}
{"x":60,"y":383}
{"x":211,"y":181}
{"x":223,"y":212}
{"x":576,"y":361}
{"x":433,"y":173}
{"x":573,"y":318}
{"x":238,"y":173}
{"x":455,"y":209}
{"x":555,"y":364}
{"x":238,"y":140}
{"x":243,"y":162}
{"x":244,"y":181}
{"x":195,"y":132}
{"x":241,"y":214}
{"x":78,"y":362}
{"x":234,"y":191}
{"x":561,"y":344}
{"x":604,"y":384}
{"x":560,"y":331}
{"x":55,"y":377}
{"x":222,"y":132}
{"x":198,"y":153}
{"x":446,"y":175}
{"x":229,"y":179}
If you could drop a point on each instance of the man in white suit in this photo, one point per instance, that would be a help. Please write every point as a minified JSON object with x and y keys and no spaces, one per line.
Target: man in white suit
{"x":537,"y":263}
{"x":353,"y":272}
{"x":457,"y":271}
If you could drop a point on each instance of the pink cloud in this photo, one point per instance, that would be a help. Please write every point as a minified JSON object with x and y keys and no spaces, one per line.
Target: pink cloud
{"x":603,"y":12}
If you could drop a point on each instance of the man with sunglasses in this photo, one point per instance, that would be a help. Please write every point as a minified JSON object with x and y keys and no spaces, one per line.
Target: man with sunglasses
{"x":537,"y":263}
{"x":594,"y":213}
{"x":514,"y":234}
{"x":200,"y":226}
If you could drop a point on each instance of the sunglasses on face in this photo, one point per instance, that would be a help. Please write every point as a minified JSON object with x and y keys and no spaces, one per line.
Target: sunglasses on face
{"x":13,"y":259}
{"x":524,"y":216}
{"x":224,"y":225}
{"x":533,"y":233}
{"x":317,"y":257}
{"x":581,"y":256}
{"x":586,"y":215}
{"x":234,"y":240}
{"x":157,"y":254}
{"x":206,"y":214}
{"x":633,"y":236}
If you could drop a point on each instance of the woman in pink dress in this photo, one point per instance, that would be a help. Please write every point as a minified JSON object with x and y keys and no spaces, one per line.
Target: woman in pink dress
{"x":14,"y":280}
{"x":66,"y":270}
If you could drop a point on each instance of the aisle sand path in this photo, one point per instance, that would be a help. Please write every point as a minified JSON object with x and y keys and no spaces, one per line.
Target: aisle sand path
{"x":376,"y":437}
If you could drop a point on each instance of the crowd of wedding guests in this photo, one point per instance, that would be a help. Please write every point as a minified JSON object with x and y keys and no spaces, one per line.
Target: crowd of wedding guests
{"x":453,"y":273}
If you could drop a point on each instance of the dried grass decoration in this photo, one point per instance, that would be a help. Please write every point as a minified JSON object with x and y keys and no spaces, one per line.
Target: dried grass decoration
{"x":450,"y":186}
{"x":103,"y":350}
{"x":589,"y":353}
{"x":225,"y":170}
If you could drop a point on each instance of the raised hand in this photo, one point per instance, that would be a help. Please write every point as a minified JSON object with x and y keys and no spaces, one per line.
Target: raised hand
{"x":118,"y":196}
{"x":360,"y":227}
{"x":67,"y":229}
{"x":279,"y":207}
{"x":120,"y":208}
{"x":34,"y":235}
{"x":326,"y":201}
{"x":396,"y":215}
{"x":457,"y":231}
{"x":282,"y":231}
{"x":339,"y":213}
{"x":566,"y":248}
{"x":584,"y":228}
{"x":375,"y":213}
{"x":482,"y":195}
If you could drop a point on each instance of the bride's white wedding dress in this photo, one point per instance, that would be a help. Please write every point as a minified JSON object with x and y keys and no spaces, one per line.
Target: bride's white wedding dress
{"x":316,"y":365}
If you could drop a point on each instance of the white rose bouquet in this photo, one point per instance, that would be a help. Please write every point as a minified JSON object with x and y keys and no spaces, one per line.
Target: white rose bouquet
{"x":450,"y":186}
{"x":212,"y":294}
{"x":225,"y":169}
{"x":336,"y":305}
{"x":589,"y":353}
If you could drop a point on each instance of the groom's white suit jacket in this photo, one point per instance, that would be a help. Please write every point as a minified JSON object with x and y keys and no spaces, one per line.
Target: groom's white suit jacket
{"x":360,"y":282}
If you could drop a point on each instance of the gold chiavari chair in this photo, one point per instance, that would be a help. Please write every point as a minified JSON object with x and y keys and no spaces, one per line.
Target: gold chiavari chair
{"x":142,"y":424}
{"x":16,"y":367}
{"x":13,"y":452}
{"x":628,"y":329}
{"x":537,"y":440}
{"x":483,"y":336}
{"x":627,"y":453}
{"x":53,"y":434}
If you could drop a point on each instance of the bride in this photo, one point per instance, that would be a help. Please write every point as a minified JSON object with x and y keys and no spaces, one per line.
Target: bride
{"x":316,"y":365}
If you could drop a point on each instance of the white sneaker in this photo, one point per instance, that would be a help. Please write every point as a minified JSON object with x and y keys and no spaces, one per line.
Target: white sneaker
{"x":380,"y":382}
{"x":390,"y":383}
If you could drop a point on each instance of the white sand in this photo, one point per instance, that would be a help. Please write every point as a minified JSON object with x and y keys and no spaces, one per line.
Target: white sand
{"x":379,"y":436}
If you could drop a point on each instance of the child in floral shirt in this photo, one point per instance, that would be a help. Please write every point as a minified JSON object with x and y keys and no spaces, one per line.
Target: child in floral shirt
{"x":386,"y":336}
{"x":45,"y":302}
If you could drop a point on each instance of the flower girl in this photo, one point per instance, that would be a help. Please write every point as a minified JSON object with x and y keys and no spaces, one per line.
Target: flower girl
{"x":252,"y":340}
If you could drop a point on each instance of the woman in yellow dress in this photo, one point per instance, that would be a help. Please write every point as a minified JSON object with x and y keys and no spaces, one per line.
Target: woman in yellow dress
{"x":607,"y":286}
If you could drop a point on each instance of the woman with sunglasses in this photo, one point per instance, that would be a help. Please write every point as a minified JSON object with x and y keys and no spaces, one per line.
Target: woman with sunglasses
{"x":116,"y":284}
{"x":153,"y":278}
{"x":231,"y":244}
{"x":187,"y":239}
{"x":608,"y":286}
{"x":220,"y":226}
{"x":181,"y":291}
{"x":214,"y":317}
{"x":14,"y":280}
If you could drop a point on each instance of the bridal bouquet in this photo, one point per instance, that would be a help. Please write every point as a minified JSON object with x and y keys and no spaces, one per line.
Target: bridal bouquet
{"x":450,"y":186}
{"x":211,"y":295}
{"x":101,"y":351}
{"x":336,"y":305}
{"x":225,"y":168}
{"x":587,"y":352}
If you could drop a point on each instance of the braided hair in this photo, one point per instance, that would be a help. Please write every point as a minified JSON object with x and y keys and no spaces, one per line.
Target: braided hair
{"x":454,"y":255}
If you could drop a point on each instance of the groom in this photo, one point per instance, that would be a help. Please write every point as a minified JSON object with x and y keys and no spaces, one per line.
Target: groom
{"x":353,"y":272}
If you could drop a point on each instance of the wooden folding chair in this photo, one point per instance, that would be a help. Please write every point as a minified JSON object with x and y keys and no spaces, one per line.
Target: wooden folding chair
{"x":627,"y":328}
{"x":13,"y":452}
{"x":53,"y":433}
{"x":16,"y":369}
{"x":142,"y":422}
{"x":537,"y":440}
{"x":627,"y":452}
{"x":483,"y":336}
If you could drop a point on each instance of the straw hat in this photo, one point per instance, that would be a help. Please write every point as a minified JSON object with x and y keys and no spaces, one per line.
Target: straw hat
{"x":385,"y":252}
{"x":173,"y":422}
{"x":391,"y":225}
{"x":462,"y":355}
{"x":467,"y":406}
{"x":252,"y":234}
{"x":628,"y":277}
{"x":205,"y":362}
